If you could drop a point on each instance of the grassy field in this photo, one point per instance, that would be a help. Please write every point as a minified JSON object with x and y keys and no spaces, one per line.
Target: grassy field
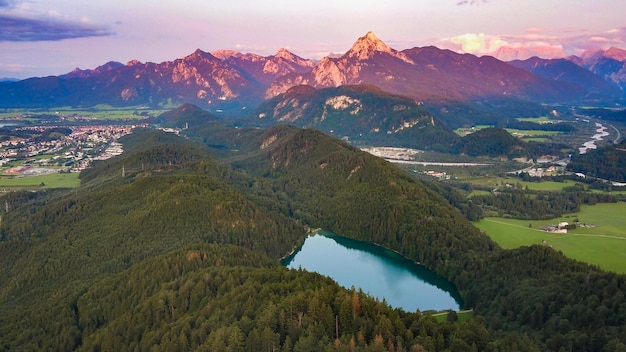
{"x":496,"y":182}
{"x":479,"y":193}
{"x":463,"y":315}
{"x":532,"y":135}
{"x":54,"y":180}
{"x":612,"y":192}
{"x":535,"y":139}
{"x":603,"y":245}
{"x":463,"y":131}
{"x":547,"y":185}
{"x":535,"y":119}
{"x":526,"y":135}
{"x":101,"y":112}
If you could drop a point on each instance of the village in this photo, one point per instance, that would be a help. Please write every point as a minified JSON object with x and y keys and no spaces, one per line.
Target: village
{"x":563,"y":227}
{"x":64,"y":153}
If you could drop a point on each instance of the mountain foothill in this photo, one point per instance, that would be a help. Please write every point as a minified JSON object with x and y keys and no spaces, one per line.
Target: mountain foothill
{"x":174,"y":245}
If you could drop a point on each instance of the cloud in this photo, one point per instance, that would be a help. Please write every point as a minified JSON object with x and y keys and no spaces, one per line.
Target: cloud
{"x":469,"y":2}
{"x":13,"y":68}
{"x":578,"y":43}
{"x":534,"y":30}
{"x":477,"y":43}
{"x":6,"y":3}
{"x":534,"y":42}
{"x":23,"y":29}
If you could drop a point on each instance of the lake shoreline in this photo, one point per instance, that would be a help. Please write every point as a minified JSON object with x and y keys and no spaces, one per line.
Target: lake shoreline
{"x":375,"y":269}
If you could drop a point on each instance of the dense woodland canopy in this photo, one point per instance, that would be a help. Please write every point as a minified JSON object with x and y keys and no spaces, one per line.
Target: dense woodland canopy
{"x":179,"y":251}
{"x":606,"y":163}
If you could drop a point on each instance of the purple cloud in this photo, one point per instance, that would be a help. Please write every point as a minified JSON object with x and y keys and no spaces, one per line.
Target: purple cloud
{"x":20,"y":29}
{"x":470,"y":2}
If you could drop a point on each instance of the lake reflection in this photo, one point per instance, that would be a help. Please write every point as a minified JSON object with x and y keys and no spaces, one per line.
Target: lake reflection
{"x":379,"y":272}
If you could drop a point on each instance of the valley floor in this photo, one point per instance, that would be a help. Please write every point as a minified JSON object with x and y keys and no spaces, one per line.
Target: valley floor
{"x":602,"y":242}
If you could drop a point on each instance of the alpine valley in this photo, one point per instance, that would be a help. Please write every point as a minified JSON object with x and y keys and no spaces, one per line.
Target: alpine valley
{"x":175,"y":243}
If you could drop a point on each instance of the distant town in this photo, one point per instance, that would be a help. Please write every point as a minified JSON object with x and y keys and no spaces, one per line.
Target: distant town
{"x":43,"y":148}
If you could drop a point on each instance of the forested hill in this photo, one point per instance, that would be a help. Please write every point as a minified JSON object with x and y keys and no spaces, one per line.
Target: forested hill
{"x":174,"y":245}
{"x":608,"y":162}
{"x":363,"y":114}
{"x":64,"y":251}
{"x":494,"y":142}
{"x":517,"y":290}
{"x":340,"y":188}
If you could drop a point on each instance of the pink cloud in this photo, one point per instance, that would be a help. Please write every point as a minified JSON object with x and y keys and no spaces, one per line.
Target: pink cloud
{"x":534,"y":30}
{"x":534,"y":42}
{"x":469,"y":2}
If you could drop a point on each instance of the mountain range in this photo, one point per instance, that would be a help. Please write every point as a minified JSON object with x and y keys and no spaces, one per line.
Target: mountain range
{"x":609,"y":64}
{"x":233,"y":83}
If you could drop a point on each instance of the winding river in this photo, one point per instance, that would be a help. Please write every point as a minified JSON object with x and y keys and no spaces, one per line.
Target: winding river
{"x":601,"y":132}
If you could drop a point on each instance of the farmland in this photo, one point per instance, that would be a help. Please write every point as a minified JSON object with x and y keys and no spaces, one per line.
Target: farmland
{"x":51,"y":180}
{"x":497,"y":181}
{"x":99,"y":112}
{"x":604,"y":244}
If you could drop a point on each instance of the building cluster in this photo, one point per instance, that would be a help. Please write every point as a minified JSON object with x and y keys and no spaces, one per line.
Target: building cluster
{"x":438,"y":174}
{"x":558,"y":228}
{"x":74,"y":152}
{"x":393,"y":153}
{"x":545,"y":172}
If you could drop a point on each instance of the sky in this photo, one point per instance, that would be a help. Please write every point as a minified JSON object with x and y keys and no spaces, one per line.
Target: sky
{"x":52,"y":37}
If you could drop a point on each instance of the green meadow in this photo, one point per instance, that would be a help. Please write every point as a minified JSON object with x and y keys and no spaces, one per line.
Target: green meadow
{"x":463,"y":131}
{"x":53,"y":180}
{"x":462,"y":315}
{"x":99,"y":112}
{"x":526,"y":135}
{"x":532,"y":134}
{"x":497,"y":182}
{"x":542,"y":119}
{"x":603,"y":245}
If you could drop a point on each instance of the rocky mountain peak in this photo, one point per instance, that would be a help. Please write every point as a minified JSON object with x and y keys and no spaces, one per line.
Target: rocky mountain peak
{"x":366,"y":46}
{"x":328,"y":74}
{"x":616,"y":54}
{"x":285,"y":54}
{"x":293,"y":58}
{"x":611,"y":53}
{"x":199,"y":54}
{"x":78,"y":73}
{"x":225,"y":54}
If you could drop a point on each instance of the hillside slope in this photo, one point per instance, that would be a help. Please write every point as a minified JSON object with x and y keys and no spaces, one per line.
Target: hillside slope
{"x":166,"y":247}
{"x":166,"y":193}
{"x":362,"y":114}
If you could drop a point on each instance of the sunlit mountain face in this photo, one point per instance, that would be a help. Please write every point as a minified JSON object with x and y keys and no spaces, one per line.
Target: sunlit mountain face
{"x":230,"y":81}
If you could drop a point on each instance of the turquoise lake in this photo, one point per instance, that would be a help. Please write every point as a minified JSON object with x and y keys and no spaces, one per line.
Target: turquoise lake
{"x":375,"y":270}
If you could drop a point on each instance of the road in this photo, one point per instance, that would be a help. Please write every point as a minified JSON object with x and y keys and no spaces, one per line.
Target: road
{"x":427,"y":163}
{"x":619,"y":134}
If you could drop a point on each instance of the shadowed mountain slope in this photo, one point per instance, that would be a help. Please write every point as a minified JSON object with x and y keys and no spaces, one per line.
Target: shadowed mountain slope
{"x":362,"y":114}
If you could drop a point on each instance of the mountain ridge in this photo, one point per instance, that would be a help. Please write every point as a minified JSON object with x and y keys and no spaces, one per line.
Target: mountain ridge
{"x":609,"y":64}
{"x":362,"y":114}
{"x":568,"y":71}
{"x":230,"y":81}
